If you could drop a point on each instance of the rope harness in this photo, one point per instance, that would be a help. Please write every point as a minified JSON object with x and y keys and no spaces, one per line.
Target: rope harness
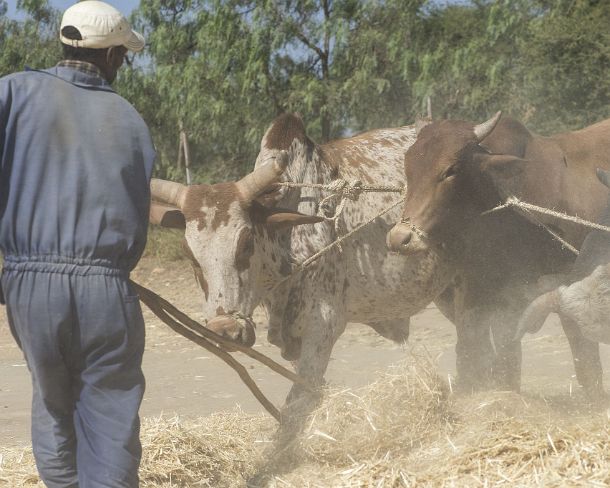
{"x":416,"y":230}
{"x":531,"y":209}
{"x":343,"y":190}
{"x":346,"y":191}
{"x":192,"y":330}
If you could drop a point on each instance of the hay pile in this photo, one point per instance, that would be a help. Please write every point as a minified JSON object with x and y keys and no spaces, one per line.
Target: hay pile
{"x":404,"y":430}
{"x":215,"y":451}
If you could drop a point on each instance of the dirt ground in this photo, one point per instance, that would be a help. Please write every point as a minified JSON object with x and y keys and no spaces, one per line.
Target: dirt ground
{"x":185,"y":380}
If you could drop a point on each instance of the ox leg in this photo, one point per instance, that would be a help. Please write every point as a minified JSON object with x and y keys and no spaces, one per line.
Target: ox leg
{"x":316,"y":347}
{"x":473,"y":350}
{"x":322,"y":331}
{"x":474,"y":353}
{"x":394,"y":330}
{"x":507,"y":364}
{"x":587,"y":362}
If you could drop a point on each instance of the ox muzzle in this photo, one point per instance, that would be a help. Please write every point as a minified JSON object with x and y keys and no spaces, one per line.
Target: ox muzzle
{"x":234,"y":327}
{"x":405,"y":239}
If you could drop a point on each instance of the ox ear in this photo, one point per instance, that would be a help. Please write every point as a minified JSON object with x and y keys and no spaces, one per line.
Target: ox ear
{"x":271,"y":196}
{"x":421,"y":122}
{"x":603,"y":176}
{"x":280,"y":217}
{"x":166,"y":216}
{"x":504,"y":166}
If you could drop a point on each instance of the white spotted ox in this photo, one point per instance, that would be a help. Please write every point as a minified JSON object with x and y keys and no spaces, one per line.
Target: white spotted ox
{"x":246,"y":236}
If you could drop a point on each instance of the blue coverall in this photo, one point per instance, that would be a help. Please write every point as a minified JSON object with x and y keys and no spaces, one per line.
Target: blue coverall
{"x":76,"y":161}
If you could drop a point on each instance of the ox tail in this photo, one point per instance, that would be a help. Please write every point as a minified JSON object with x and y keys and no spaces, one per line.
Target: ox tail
{"x":536,"y":313}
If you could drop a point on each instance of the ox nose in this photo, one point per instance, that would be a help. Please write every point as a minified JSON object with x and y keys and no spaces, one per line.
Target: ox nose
{"x":237,"y":329}
{"x":399,"y":238}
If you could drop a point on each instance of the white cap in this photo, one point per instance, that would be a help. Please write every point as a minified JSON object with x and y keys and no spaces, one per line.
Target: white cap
{"x":101,"y":26}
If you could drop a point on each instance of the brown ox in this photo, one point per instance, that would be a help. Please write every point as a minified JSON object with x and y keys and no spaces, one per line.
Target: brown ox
{"x":244,"y":238}
{"x":456,"y":171}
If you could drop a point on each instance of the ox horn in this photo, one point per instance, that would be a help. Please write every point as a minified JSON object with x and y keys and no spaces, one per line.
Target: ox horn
{"x":255,"y":183}
{"x":486,"y":128}
{"x":168,"y":192}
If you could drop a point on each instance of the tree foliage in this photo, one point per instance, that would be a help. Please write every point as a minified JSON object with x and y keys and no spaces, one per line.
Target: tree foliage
{"x":31,"y":42}
{"x":222,"y":69}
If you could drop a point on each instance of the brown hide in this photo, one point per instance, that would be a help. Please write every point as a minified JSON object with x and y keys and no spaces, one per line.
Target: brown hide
{"x":452,"y":178}
{"x":561,"y":171}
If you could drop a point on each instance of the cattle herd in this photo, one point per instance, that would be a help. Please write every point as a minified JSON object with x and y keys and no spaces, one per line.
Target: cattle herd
{"x":495,"y":275}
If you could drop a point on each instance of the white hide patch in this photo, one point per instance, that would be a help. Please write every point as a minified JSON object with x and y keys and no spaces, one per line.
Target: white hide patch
{"x":215,"y":251}
{"x":587,"y":302}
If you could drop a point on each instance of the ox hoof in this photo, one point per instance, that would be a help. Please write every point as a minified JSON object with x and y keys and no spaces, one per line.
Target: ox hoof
{"x":597,"y":396}
{"x":238,"y":330}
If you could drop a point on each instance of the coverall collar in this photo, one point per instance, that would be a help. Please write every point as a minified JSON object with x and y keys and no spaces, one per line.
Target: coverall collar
{"x":77,"y":77}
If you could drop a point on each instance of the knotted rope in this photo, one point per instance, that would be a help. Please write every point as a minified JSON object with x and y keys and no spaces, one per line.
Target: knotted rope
{"x":299,"y":268}
{"x":342,"y":189}
{"x":515,"y":202}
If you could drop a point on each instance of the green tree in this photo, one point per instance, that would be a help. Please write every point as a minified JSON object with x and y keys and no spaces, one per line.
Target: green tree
{"x":566,"y":66}
{"x":201,"y":75}
{"x":32,"y":42}
{"x":224,"y":68}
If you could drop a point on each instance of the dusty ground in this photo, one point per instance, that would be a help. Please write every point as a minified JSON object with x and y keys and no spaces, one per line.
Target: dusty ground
{"x":184,"y":379}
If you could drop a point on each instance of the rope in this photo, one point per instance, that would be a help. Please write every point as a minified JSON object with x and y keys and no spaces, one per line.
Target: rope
{"x":342,"y":186}
{"x":416,"y":230}
{"x":214,"y":343}
{"x":515,"y":202}
{"x":561,"y":240}
{"x":529,"y":208}
{"x":343,"y":189}
{"x":337,"y":243}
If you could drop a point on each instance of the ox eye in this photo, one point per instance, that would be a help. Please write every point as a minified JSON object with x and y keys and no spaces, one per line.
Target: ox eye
{"x":449,"y":172}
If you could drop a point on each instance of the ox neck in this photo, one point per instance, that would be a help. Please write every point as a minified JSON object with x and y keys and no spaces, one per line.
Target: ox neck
{"x":307,"y":166}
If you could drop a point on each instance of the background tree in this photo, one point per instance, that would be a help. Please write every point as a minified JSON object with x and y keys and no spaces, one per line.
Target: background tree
{"x":31,"y":42}
{"x":223,"y":69}
{"x":566,"y":66}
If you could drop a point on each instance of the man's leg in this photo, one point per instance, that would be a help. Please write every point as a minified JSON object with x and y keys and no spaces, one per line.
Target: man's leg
{"x":38,"y":309}
{"x":111,"y":331}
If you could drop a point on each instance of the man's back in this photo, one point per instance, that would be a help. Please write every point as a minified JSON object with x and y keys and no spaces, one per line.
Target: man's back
{"x":75,"y":161}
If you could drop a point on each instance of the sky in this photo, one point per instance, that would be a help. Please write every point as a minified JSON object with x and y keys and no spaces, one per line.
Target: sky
{"x":125,"y":6}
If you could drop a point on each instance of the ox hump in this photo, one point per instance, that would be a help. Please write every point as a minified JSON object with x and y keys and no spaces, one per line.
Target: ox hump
{"x":283,"y":131}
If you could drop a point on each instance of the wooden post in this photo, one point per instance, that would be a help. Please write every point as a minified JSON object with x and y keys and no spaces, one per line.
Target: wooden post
{"x":179,"y":159}
{"x":429,"y":105}
{"x":187,"y":157}
{"x":184,"y":149}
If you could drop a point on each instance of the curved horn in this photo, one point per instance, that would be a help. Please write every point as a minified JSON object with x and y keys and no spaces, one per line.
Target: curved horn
{"x":486,"y":128}
{"x":255,"y":183}
{"x":168,"y":192}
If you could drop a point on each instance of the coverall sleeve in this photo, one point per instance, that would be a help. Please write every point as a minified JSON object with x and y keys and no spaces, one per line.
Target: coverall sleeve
{"x":150,"y":157}
{"x":6,"y":96}
{"x":5,"y":107}
{"x":3,"y":115}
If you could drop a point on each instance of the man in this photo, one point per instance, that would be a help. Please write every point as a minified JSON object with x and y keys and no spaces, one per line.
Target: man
{"x":75,"y":166}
